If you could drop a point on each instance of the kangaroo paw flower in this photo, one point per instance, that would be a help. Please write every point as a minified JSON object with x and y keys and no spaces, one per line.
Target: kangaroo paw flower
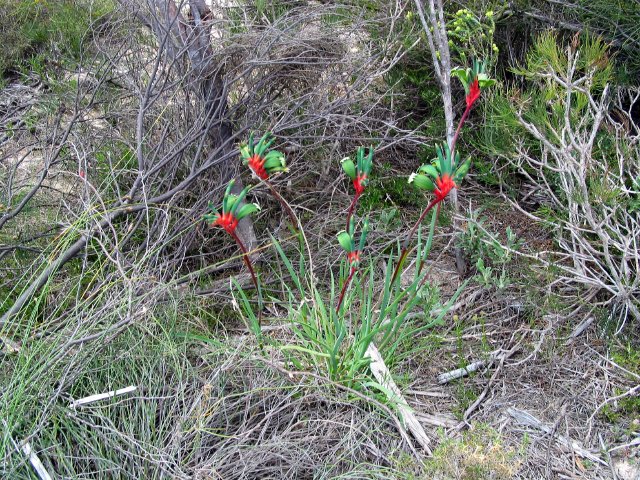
{"x":348,"y":243}
{"x":359,"y":172}
{"x":232,"y":210}
{"x":442,"y":175}
{"x":473,"y":80}
{"x":263,"y":162}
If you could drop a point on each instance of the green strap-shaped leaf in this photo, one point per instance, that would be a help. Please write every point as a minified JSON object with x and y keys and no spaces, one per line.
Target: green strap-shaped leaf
{"x":363,"y":235}
{"x":352,"y":226}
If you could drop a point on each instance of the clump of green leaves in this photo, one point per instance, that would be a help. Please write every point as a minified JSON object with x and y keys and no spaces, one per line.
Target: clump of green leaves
{"x":30,"y":28}
{"x":491,"y":256}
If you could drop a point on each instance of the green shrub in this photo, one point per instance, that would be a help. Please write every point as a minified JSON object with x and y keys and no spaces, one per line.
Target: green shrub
{"x":618,"y":22}
{"x":580,"y":166}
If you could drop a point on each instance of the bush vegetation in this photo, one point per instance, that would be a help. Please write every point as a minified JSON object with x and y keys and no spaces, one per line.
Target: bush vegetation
{"x":333,"y":334}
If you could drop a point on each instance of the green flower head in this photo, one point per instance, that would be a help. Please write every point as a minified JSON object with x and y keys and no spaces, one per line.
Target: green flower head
{"x":443,"y":173}
{"x":348,"y":242}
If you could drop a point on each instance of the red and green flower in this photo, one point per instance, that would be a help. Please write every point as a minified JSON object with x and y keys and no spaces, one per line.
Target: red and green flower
{"x":473,"y":80}
{"x":359,"y":172}
{"x":232,"y":210}
{"x":262,"y":161}
{"x":443,"y":174}
{"x":348,"y":242}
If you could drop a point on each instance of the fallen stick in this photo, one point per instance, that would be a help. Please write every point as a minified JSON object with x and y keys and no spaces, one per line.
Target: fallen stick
{"x":631,"y":392}
{"x":632,"y":443}
{"x":383,"y":375}
{"x":428,"y":393}
{"x":579,"y":329}
{"x":525,"y":418}
{"x":462,"y":372}
{"x":31,"y":455}
{"x":437,"y":420}
{"x":35,"y":462}
{"x":472,"y":367}
{"x":101,"y":396}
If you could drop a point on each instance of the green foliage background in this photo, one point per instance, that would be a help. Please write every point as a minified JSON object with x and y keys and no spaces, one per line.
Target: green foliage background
{"x":30,"y":28}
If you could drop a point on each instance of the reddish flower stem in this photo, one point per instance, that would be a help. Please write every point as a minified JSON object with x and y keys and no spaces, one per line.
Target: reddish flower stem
{"x":455,"y":136}
{"x":344,"y":288}
{"x":405,"y":244}
{"x":352,"y":207}
{"x":247,"y":262}
{"x":285,"y":206}
{"x":434,"y":202}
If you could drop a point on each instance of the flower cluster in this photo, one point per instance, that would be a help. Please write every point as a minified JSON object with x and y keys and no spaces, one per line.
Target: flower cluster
{"x":442,"y":175}
{"x":348,"y":243}
{"x":359,"y":172}
{"x":262,"y":162}
{"x":446,"y":171}
{"x":232,"y":211}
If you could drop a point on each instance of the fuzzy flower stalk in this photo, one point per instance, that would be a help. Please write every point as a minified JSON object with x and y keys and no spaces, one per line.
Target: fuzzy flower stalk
{"x":354,"y":250}
{"x":446,"y":171}
{"x":232,"y":212}
{"x":264,"y":164}
{"x":359,"y":173}
{"x":473,"y":80}
{"x":439,"y":177}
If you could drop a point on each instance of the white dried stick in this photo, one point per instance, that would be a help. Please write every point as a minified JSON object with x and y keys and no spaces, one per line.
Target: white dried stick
{"x":102,"y":396}
{"x":383,"y":375}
